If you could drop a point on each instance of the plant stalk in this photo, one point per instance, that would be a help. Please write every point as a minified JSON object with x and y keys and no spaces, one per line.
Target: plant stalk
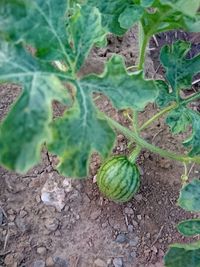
{"x":143,"y":144}
{"x":191,"y":98}
{"x":134,"y":154}
{"x":158,"y":115}
{"x":143,"y":42}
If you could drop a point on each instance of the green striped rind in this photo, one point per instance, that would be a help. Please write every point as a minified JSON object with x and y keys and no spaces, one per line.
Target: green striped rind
{"x":118,"y":179}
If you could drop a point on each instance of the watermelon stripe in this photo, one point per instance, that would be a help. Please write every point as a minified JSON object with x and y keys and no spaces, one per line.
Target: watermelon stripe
{"x":126,"y":189}
{"x":118,"y":179}
{"x":122,"y":183}
{"x":127,"y":192}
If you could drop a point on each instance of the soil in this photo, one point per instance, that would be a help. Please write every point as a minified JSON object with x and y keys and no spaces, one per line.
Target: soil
{"x":89,"y":230}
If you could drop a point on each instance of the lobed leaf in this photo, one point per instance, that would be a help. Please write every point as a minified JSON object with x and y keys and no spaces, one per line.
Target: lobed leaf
{"x":193,"y":141}
{"x":165,"y":97}
{"x":179,"y":119}
{"x":111,"y":11}
{"x":130,"y":16}
{"x":183,"y":255}
{"x":38,"y":23}
{"x":124,"y":90}
{"x":179,"y":69}
{"x":79,"y":133}
{"x":193,"y":24}
{"x":189,"y":198}
{"x":147,"y":3}
{"x":89,"y":18}
{"x":189,"y":227}
{"x":188,"y":8}
{"x":26,"y":128}
{"x":170,"y":15}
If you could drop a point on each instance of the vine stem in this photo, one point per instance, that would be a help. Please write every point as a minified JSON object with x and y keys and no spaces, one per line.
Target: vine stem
{"x":143,"y":144}
{"x":191,"y":98}
{"x":158,"y":115}
{"x":143,"y":42}
{"x":134,"y":154}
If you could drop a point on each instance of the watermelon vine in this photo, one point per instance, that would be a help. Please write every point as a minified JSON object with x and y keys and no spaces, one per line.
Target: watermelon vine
{"x":62,"y":33}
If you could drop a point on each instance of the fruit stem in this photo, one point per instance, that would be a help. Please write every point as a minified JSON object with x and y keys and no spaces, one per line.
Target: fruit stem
{"x":134,"y":154}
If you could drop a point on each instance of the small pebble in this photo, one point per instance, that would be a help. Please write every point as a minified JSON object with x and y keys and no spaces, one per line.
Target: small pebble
{"x":39,"y":263}
{"x":22,"y":213}
{"x":22,"y":224}
{"x":95,"y":214}
{"x":148,"y":235}
{"x":10,"y":212}
{"x":42,"y":251}
{"x":104,"y":225}
{"x":138,"y":197}
{"x":52,"y":224}
{"x":60,"y":262}
{"x":130,"y":228}
{"x":99,"y":263}
{"x":11,"y":218}
{"x":38,"y":199}
{"x":133,"y":254}
{"x":129,"y":211}
{"x":117,"y":262}
{"x":133,"y":242}
{"x":134,"y":223}
{"x":49,"y":262}
{"x":57,"y":233}
{"x":139,"y":217}
{"x":121,"y":238}
{"x":9,"y":260}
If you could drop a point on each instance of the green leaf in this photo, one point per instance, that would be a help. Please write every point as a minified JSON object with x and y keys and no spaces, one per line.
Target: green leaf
{"x":79,"y":133}
{"x":179,"y":120}
{"x":168,"y":16}
{"x":189,"y":227}
{"x":124,"y":90}
{"x":26,"y":128}
{"x":130,"y":16}
{"x":193,"y":24}
{"x":38,"y":23}
{"x":147,"y":3}
{"x":164,"y":97}
{"x":111,"y":11}
{"x":183,"y":255}
{"x":189,"y":198}
{"x":188,"y":8}
{"x":179,"y":69}
{"x":89,"y":18}
{"x":194,"y":141}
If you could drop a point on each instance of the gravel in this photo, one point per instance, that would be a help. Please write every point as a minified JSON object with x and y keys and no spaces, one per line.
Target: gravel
{"x":118,"y":262}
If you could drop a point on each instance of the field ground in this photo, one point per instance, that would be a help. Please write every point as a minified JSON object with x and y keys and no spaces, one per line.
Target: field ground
{"x":90,"y":230}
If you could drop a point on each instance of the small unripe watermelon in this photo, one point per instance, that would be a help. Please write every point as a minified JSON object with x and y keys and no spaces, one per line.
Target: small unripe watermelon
{"x":118,"y":179}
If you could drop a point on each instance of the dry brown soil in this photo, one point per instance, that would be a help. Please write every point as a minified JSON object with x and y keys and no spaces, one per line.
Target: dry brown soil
{"x":90,"y":230}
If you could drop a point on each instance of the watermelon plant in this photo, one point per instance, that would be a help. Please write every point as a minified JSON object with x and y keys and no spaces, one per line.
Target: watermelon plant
{"x":44,"y":44}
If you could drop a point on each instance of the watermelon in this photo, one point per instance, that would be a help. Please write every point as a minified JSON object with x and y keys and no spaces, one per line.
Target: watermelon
{"x":118,"y":179}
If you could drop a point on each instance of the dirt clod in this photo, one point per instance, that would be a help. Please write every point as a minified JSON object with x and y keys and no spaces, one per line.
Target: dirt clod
{"x":99,"y":263}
